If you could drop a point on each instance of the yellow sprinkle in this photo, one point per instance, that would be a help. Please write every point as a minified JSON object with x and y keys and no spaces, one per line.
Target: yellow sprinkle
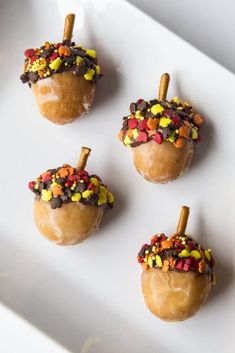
{"x":89,"y":75}
{"x":97,"y":69}
{"x":36,"y":186}
{"x":46,"y":195}
{"x":208,"y":255}
{"x":78,"y":60}
{"x":76,"y":197}
{"x":150,"y":262}
{"x":87,"y":194}
{"x":158,"y":261}
{"x":103,"y":189}
{"x":157,"y":109}
{"x":164,"y":122}
{"x":94,"y":181}
{"x":184,"y":253}
{"x":138,"y":114}
{"x":91,"y":53}
{"x":53,"y":184}
{"x":195,"y":254}
{"x":194,"y":134}
{"x":171,"y":138}
{"x":55,"y":64}
{"x":127,"y":140}
{"x":135,"y":133}
{"x":176,"y":100}
{"x":102,"y":198}
{"x":111,"y":197}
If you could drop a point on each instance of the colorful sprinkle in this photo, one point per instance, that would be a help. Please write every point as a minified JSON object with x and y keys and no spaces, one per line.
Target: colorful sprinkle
{"x":172,"y":121}
{"x":179,"y":253}
{"x":67,"y":184}
{"x":52,"y":58}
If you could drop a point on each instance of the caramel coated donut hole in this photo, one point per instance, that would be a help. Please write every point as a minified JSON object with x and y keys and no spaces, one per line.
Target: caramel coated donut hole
{"x":63,"y":97}
{"x":162,"y":163}
{"x":172,"y":295}
{"x":70,"y":224}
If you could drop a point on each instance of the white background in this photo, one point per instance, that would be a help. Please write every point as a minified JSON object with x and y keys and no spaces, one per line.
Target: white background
{"x":41,"y":282}
{"x":209,"y":25}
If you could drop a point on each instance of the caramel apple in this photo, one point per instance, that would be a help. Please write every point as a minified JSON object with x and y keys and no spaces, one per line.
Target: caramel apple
{"x":62,"y":77}
{"x":177,"y":274}
{"x":161,"y":135}
{"x":69,"y":203}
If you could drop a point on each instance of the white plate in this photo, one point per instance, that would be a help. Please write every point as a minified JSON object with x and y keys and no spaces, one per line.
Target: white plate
{"x":87,"y":297}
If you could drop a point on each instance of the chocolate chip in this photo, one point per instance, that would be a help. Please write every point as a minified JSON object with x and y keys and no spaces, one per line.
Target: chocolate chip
{"x":69,"y":59}
{"x":133,"y":108}
{"x":46,"y":53}
{"x":80,"y":187}
{"x":165,"y":132}
{"x":68,"y":192}
{"x":56,"y":202}
{"x":153,"y":102}
{"x":60,"y":181}
{"x":24,"y":78}
{"x":142,"y":106}
{"x":149,"y":114}
{"x":78,"y":52}
{"x":41,"y":186}
{"x":80,"y":70}
{"x":67,"y":42}
{"x":33,"y":77}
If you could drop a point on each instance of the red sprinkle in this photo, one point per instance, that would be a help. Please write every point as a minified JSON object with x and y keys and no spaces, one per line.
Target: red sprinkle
{"x":29,"y":53}
{"x":32,"y":59}
{"x":142,"y":137}
{"x":158,"y":138}
{"x":176,"y":120}
{"x":143,"y":125}
{"x":31,"y":184}
{"x":132,"y":123}
{"x":53,"y":56}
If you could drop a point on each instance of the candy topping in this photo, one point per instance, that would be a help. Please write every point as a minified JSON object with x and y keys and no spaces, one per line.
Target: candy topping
{"x":157,"y":120}
{"x":179,"y":253}
{"x":66,"y":184}
{"x":52,"y":58}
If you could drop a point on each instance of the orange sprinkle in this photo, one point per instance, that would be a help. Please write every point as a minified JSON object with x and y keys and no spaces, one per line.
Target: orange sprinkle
{"x":64,"y":50}
{"x":165,"y":266}
{"x":179,"y":143}
{"x":202,"y":266}
{"x":184,"y":132}
{"x":120,"y":135}
{"x":166,"y":244}
{"x":152,"y":123}
{"x":63,"y":172}
{"x":56,"y":190}
{"x":70,"y":170}
{"x":129,"y":133}
{"x":198,"y":119}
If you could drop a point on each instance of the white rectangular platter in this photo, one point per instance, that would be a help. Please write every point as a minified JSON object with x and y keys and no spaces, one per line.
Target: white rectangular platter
{"x":87,"y":298}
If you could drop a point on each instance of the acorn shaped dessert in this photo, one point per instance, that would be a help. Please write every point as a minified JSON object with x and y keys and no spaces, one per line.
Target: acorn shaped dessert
{"x":161,"y":135}
{"x":69,"y":203}
{"x":62,"y":77}
{"x":177,"y":274}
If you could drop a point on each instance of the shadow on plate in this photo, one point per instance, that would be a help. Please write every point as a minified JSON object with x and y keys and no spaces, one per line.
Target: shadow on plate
{"x":63,"y":310}
{"x":223,"y":270}
{"x":206,"y":145}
